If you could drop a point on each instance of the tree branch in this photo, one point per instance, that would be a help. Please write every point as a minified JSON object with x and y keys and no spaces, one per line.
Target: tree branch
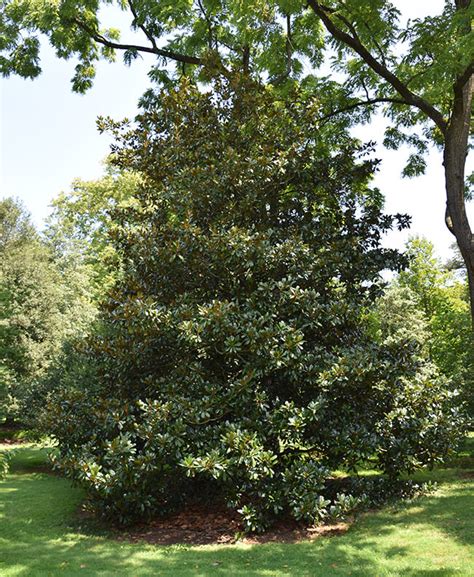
{"x":463,"y":79}
{"x":409,"y":97}
{"x":377,"y":45}
{"x":209,"y":25}
{"x":352,"y":28}
{"x":368,"y":102}
{"x":420,"y":73}
{"x":246,"y":59}
{"x":289,"y":54}
{"x":150,"y":50}
{"x":150,"y":37}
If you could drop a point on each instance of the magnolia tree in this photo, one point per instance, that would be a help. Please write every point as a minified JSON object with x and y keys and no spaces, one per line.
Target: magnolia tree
{"x":233,"y":358}
{"x":419,"y":75}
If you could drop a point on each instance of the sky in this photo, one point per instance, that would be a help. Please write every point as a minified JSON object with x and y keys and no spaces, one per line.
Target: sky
{"x":48,"y":137}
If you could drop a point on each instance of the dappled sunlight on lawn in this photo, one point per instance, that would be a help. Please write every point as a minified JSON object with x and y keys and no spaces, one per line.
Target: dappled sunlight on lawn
{"x":41,"y":535}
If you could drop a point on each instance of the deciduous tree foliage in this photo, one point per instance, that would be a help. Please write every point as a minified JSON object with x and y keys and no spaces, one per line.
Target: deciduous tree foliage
{"x":42,"y":303}
{"x":420,"y":74}
{"x":429,"y":304}
{"x":234,"y":359}
{"x":442,"y":298}
{"x":79,"y":226}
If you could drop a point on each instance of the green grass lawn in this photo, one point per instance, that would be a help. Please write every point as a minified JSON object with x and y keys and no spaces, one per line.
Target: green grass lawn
{"x":41,"y":535}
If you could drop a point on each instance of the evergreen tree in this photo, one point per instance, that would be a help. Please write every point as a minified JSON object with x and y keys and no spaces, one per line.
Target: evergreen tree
{"x":234,"y":355}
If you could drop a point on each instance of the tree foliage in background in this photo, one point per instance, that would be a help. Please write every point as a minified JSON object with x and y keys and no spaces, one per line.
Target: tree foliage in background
{"x":443,"y":299}
{"x":43,"y":302}
{"x":398,"y":317}
{"x":81,"y":222}
{"x":419,"y":75}
{"x":234,"y":359}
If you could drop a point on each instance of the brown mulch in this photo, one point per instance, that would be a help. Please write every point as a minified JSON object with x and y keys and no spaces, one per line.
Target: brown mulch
{"x":200,"y":525}
{"x":9,"y":435}
{"x":10,"y":441}
{"x":467,"y":475}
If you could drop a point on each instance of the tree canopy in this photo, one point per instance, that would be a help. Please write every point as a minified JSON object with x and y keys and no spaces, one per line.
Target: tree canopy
{"x":419,"y":74}
{"x":442,"y":299}
{"x":42,"y":304}
{"x":233,"y":358}
{"x":81,"y":223}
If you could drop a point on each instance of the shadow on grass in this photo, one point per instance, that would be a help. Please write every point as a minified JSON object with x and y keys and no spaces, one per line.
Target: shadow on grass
{"x":40,"y":536}
{"x":29,"y":459}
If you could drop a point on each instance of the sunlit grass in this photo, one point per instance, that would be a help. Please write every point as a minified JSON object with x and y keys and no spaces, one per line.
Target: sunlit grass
{"x":41,"y":535}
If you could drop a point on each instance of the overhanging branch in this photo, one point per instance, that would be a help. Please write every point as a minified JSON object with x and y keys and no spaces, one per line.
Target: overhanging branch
{"x":381,"y":69}
{"x":142,"y":27}
{"x":361,"y":103}
{"x":153,"y":49}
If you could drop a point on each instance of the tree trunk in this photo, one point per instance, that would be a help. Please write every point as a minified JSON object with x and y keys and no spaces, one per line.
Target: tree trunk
{"x":455,"y":129}
{"x":455,"y":153}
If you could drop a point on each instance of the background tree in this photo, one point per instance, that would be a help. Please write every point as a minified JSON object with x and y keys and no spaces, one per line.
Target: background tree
{"x":421,"y":75}
{"x":42,"y":304}
{"x":81,"y":224}
{"x":429,"y":304}
{"x":398,"y":316}
{"x":442,"y":298}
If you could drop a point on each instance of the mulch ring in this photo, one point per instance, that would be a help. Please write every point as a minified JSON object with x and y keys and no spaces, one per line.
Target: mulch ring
{"x":201,"y":525}
{"x":11,"y":435}
{"x":467,"y":474}
{"x":13,"y":441}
